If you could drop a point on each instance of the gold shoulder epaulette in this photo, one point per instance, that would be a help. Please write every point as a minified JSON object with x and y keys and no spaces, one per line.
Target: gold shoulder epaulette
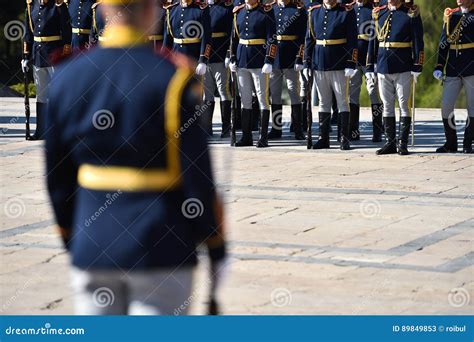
{"x":376,"y":11}
{"x":238,"y":8}
{"x":448,"y":12}
{"x":96,"y":4}
{"x":313,"y":7}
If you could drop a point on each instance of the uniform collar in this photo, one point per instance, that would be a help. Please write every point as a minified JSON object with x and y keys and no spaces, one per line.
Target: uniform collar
{"x":283,"y":3}
{"x":117,"y":36}
{"x":393,"y":8}
{"x":465,"y":10}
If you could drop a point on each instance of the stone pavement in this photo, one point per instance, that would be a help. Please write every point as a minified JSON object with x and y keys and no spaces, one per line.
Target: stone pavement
{"x":312,"y":232}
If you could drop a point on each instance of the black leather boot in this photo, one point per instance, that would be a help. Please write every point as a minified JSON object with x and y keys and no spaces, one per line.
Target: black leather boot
{"x":354,"y":121}
{"x":263,"y":141}
{"x":41,"y":109}
{"x":324,"y":124}
{"x":344,"y":118}
{"x":255,"y":114}
{"x":335,"y":111}
{"x":277,"y":122}
{"x":296,"y":115}
{"x":247,"y":139}
{"x":304,"y":118}
{"x":405,"y":122}
{"x":390,"y":146}
{"x":225,"y":115}
{"x":207,"y":113}
{"x":238,"y":113}
{"x":468,"y":136}
{"x":377,"y":124}
{"x":451,"y":144}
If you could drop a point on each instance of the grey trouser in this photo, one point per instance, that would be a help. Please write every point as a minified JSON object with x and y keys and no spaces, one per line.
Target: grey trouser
{"x":355,"y":85}
{"x":42,"y":78}
{"x":328,"y":82}
{"x":314,"y":92}
{"x":259,"y":80}
{"x":292,"y":82}
{"x":393,"y":86}
{"x":113,"y":292}
{"x":217,"y":75}
{"x":451,"y":89}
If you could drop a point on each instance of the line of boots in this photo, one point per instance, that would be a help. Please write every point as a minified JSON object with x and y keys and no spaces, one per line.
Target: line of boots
{"x":391,"y":146}
{"x":451,"y":145}
{"x":325,"y":127}
{"x":277,"y":121}
{"x":377,"y":125}
{"x":246,"y":123}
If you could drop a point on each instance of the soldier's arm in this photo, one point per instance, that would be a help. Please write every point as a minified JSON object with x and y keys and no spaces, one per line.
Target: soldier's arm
{"x":443,"y":50}
{"x":65,"y":22}
{"x":309,"y":44}
{"x":302,"y":21}
{"x":60,"y":170}
{"x":372,"y":51}
{"x":197,"y":177}
{"x":351,"y":45}
{"x":206,"y":42}
{"x":270,"y":36}
{"x":418,"y":43}
{"x":28,"y":40}
{"x":234,"y":39}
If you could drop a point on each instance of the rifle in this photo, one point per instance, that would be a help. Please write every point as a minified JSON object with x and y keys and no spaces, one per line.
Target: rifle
{"x":309,"y":112}
{"x":27,"y":105}
{"x":233,"y":115}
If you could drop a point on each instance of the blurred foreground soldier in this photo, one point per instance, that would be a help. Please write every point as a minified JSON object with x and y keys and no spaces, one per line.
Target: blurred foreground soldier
{"x":47,"y":39}
{"x":188,"y":30}
{"x":290,"y":20}
{"x":80,"y":12}
{"x":128,"y":166}
{"x":366,"y":29}
{"x":252,"y":56}
{"x":398,"y":53}
{"x":456,"y":55}
{"x":331,"y":51}
{"x":218,"y":75}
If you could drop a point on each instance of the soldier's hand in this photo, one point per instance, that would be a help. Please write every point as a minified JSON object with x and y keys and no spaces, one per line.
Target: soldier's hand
{"x":24,"y":65}
{"x":298,"y":67}
{"x":201,"y":69}
{"x":415,"y":75}
{"x":233,"y":67}
{"x":350,"y":72}
{"x":307,"y":73}
{"x":227,"y":62}
{"x":267,"y":68}
{"x":438,"y":74}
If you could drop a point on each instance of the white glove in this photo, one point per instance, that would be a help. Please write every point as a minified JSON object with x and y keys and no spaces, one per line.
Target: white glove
{"x":350,"y":72}
{"x":226,"y":62}
{"x":233,"y":67}
{"x":298,"y":67}
{"x":201,"y":69}
{"x":24,"y":66}
{"x":267,"y":68}
{"x":307,"y":73}
{"x":438,"y":74}
{"x":415,"y":75}
{"x":370,"y":76}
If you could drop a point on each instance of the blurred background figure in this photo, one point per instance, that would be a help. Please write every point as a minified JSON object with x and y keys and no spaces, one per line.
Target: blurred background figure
{"x":128,"y":166}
